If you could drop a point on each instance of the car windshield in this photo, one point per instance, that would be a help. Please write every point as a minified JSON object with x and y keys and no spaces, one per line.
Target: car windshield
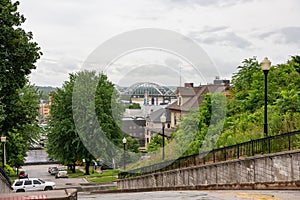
{"x":41,"y":181}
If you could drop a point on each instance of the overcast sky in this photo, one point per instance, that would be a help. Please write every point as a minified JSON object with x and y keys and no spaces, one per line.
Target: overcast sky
{"x":229,"y":31}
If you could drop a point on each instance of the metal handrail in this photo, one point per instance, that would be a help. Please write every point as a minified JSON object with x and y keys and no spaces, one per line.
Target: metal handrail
{"x":271,"y":144}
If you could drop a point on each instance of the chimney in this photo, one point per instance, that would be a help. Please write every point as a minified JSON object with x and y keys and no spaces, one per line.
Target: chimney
{"x":187,"y":85}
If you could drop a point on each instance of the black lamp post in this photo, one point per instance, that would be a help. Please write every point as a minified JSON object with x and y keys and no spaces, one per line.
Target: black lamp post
{"x":163,"y":121}
{"x":265,"y":66}
{"x":3,"y":140}
{"x":124,"y":143}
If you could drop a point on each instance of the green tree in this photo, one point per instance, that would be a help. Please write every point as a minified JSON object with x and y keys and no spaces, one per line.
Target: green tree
{"x":74,"y":133}
{"x":134,"y":106}
{"x":17,"y":57}
{"x":25,"y":130}
{"x":63,"y":143}
{"x":97,"y":115}
{"x":245,"y":106}
{"x":200,"y":129}
{"x":247,"y":87}
{"x":132,"y":144}
{"x":155,"y":143}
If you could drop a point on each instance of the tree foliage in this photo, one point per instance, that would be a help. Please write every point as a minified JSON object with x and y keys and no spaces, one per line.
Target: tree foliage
{"x":134,"y":106}
{"x":63,"y":142}
{"x":200,"y":129}
{"x":245,"y":106}
{"x":74,"y":133}
{"x":155,"y":143}
{"x":244,"y":109}
{"x":25,"y":130}
{"x":18,"y":100}
{"x":17,"y":57}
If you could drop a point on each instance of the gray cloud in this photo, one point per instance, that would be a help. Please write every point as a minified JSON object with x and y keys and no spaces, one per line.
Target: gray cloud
{"x":210,"y":29}
{"x":222,"y":38}
{"x":220,"y":3}
{"x":69,"y":30}
{"x":151,"y":73}
{"x":288,"y":35}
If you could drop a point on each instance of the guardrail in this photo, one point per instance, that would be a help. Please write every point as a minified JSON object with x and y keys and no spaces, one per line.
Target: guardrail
{"x":272,"y":144}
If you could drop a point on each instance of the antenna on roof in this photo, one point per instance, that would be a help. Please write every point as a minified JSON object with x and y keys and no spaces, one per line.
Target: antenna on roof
{"x":179,"y":74}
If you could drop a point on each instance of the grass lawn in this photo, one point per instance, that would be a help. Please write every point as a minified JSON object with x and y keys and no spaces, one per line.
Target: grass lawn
{"x":106,"y":176}
{"x":104,"y":179}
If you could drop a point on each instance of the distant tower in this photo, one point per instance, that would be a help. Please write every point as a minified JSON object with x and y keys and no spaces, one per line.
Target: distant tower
{"x":146,"y":98}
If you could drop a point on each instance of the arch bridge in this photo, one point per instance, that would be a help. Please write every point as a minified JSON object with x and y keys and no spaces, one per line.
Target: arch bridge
{"x":148,"y":91}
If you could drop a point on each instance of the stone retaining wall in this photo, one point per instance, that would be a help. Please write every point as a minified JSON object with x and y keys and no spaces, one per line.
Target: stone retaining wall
{"x":4,"y":187}
{"x":274,"y":171}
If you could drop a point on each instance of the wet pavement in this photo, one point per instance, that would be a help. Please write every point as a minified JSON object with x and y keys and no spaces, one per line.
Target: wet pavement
{"x":197,"y":195}
{"x":41,"y":171}
{"x":37,"y":156}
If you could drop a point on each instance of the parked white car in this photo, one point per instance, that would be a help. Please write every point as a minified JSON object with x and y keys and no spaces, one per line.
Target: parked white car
{"x":61,"y":173}
{"x":32,"y":184}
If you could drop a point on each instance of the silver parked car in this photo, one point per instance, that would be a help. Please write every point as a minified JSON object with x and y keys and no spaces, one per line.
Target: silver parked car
{"x":61,"y":173}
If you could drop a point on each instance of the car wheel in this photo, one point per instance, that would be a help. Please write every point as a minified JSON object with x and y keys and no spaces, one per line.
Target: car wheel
{"x":48,"y":188}
{"x":21,"y":190}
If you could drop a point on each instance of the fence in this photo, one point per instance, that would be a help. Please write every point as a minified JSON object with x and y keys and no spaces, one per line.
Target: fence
{"x":272,"y":144}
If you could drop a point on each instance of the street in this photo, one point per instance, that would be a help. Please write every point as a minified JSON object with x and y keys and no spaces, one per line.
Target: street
{"x":41,"y":171}
{"x":198,"y":195}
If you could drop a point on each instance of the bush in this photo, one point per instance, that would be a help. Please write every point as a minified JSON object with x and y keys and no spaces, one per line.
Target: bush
{"x":9,"y":170}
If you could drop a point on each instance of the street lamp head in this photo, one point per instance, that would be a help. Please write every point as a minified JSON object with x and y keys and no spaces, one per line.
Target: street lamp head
{"x":124,"y":140}
{"x":3,"y":139}
{"x":163,"y":118}
{"x":266,"y":64}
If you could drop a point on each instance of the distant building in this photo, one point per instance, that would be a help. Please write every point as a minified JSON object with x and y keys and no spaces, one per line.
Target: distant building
{"x":135,"y":127}
{"x":154,"y":125}
{"x":190,"y":97}
{"x":44,"y":109}
{"x":219,"y":81}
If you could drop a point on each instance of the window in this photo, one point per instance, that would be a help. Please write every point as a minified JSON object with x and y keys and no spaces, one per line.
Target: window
{"x":19,"y":183}
{"x":28,"y":182}
{"x":36,"y":182}
{"x":41,"y":181}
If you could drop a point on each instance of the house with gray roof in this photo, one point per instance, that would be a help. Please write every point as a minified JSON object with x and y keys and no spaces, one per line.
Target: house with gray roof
{"x":154,"y":125}
{"x":190,"y":97}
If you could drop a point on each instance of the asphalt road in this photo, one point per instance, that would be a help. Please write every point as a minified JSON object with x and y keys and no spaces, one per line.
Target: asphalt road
{"x":198,"y":195}
{"x":41,"y":171}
